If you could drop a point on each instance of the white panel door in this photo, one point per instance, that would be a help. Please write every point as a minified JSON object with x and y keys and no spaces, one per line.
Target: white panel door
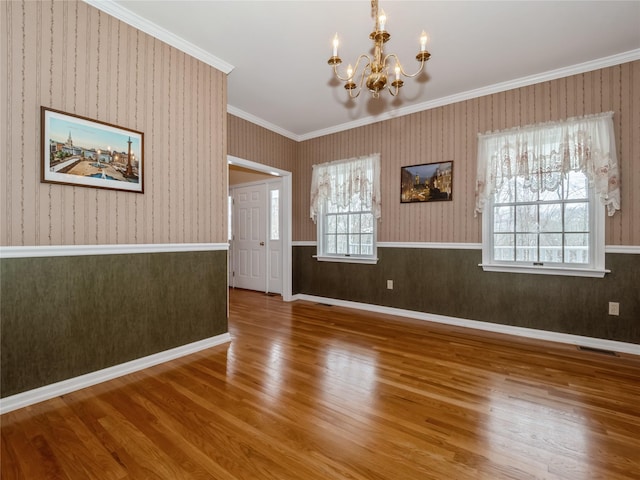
{"x":249,"y":242}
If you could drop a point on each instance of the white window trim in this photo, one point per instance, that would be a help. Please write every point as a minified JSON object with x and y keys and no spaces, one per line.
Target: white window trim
{"x":344,"y":259}
{"x":587,"y":144}
{"x":318,"y":205}
{"x":596,"y":269}
{"x":364,"y":259}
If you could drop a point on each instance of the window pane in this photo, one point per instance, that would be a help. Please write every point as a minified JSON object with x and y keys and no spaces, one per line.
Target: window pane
{"x":275,"y":215}
{"x":527,"y":247}
{"x":332,"y":207}
{"x":331,"y":224}
{"x":503,"y":247}
{"x":576,"y":186}
{"x":341,"y":244}
{"x":576,"y":217}
{"x":354,"y":244}
{"x":551,"y":218}
{"x":354,"y":223}
{"x":576,"y":248}
{"x":367,"y":223}
{"x":503,"y":219}
{"x":366,"y":247}
{"x":330,"y":243}
{"x":342,"y":223}
{"x":527,"y":218}
{"x":551,"y":247}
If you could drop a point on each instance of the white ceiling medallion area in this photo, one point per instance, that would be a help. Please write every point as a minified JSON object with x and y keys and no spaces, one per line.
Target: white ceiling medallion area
{"x":303,"y":72}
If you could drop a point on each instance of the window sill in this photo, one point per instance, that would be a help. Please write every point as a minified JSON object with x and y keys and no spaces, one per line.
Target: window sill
{"x":363,"y":260}
{"x":542,"y":270}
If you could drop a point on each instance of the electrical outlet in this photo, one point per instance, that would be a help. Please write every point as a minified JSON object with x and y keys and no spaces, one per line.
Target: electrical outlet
{"x":389,"y":284}
{"x":614,"y":308}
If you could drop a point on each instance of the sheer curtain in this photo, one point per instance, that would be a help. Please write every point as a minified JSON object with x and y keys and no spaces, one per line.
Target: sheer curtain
{"x":339,"y":181}
{"x":544,"y":153}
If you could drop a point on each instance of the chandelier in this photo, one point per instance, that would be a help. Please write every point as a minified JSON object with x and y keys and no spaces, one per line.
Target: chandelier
{"x":376,"y":69}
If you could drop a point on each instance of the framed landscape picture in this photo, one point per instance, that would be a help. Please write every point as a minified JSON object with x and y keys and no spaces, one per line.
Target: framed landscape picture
{"x":88,"y":153}
{"x":429,"y":182}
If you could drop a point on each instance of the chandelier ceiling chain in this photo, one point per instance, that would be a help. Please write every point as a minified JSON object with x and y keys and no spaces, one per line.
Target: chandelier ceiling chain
{"x":375,"y":69}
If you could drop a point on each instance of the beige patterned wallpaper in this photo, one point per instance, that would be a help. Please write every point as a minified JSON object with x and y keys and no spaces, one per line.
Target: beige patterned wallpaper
{"x":75,"y":58}
{"x":450,"y":133}
{"x":72,"y":57}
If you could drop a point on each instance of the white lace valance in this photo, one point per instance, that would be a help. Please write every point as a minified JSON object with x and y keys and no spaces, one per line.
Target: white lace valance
{"x":545,"y":153}
{"x":339,"y":181}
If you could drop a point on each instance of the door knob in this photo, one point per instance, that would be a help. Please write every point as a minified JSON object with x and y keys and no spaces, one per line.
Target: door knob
{"x":262,"y":244}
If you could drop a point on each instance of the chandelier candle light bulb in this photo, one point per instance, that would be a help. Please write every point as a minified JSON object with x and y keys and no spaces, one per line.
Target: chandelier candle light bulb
{"x":382,"y":20}
{"x":374,"y":69}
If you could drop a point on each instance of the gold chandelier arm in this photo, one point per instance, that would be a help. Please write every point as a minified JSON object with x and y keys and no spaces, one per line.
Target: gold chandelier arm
{"x":351,"y":95}
{"x":355,"y":68}
{"x":359,"y":87}
{"x":395,"y":91}
{"x":393,"y":55}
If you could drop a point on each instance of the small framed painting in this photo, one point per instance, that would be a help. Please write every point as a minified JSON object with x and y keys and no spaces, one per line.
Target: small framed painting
{"x":88,"y":153}
{"x":429,"y":182}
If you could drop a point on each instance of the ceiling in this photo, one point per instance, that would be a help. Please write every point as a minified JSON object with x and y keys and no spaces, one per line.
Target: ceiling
{"x":277,"y":51}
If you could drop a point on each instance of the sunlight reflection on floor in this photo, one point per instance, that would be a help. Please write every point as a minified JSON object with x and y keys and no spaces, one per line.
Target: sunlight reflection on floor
{"x":554,"y":440}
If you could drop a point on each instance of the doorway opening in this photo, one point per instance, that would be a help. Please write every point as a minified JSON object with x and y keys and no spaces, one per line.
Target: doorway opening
{"x":260,"y":212}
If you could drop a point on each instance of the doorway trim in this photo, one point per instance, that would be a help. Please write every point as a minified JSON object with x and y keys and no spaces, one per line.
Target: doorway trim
{"x":286,"y":212}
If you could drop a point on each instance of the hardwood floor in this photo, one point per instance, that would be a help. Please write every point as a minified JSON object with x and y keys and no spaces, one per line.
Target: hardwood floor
{"x":307,"y":391}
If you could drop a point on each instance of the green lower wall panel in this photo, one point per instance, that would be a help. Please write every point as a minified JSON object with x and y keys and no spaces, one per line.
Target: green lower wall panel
{"x":62,"y":317}
{"x":449,"y":282}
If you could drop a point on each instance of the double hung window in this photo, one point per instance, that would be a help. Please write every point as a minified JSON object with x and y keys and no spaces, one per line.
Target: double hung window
{"x":542,"y":192}
{"x":345,"y":204}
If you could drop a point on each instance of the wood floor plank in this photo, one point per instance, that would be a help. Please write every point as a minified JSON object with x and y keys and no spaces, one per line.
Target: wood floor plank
{"x":313,"y":392}
{"x":75,"y":449}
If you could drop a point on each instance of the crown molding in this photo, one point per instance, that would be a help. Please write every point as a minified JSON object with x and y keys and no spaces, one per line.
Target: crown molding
{"x":127,"y":16}
{"x":610,"y":61}
{"x":262,"y":123}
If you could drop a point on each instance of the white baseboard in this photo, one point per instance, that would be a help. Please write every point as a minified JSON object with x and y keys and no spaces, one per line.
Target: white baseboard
{"x":568,"y":338}
{"x":47,"y":392}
